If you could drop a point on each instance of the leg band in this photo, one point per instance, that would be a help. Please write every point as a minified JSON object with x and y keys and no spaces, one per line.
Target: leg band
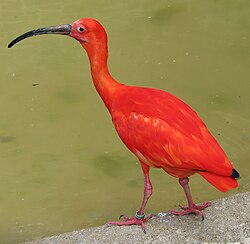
{"x":138,"y":216}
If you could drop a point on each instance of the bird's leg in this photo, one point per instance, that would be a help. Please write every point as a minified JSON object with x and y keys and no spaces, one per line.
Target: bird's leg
{"x":139,"y":218}
{"x":192,"y":208}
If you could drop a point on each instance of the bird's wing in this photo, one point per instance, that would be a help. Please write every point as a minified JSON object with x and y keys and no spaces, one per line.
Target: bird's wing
{"x":165,"y":132}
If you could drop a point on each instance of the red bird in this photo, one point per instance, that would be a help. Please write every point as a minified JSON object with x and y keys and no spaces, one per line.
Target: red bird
{"x":160,"y":129}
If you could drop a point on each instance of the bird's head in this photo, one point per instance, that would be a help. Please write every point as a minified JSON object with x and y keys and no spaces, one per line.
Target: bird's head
{"x":89,"y":32}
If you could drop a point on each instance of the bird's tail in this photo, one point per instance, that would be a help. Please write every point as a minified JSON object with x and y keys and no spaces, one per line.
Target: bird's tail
{"x":222,"y":183}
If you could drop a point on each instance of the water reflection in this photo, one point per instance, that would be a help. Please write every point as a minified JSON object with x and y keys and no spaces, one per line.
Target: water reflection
{"x":6,"y":139}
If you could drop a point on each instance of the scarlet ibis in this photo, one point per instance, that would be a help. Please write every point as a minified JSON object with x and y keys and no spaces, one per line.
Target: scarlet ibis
{"x":160,"y":129}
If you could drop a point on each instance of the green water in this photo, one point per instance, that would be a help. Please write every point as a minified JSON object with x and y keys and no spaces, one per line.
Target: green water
{"x":63,"y":167}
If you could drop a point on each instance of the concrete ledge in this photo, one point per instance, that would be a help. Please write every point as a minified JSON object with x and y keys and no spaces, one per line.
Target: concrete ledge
{"x":226,"y":221}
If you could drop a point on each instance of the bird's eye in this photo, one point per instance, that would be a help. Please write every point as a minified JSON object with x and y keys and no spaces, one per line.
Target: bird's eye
{"x":80,"y":29}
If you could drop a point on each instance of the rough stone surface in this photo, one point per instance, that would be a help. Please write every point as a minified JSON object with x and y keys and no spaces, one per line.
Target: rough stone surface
{"x":226,"y":221}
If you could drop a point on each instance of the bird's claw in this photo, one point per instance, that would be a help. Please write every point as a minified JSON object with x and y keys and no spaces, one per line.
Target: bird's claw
{"x":131,"y":221}
{"x":199,"y":207}
{"x":122,"y":215}
{"x":196,"y":209}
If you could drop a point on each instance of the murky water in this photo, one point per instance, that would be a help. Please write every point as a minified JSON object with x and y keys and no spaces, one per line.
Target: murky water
{"x":62,"y":165}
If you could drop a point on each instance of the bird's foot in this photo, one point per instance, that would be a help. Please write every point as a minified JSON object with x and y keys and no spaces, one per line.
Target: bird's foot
{"x":137,"y":220}
{"x":196,"y":209}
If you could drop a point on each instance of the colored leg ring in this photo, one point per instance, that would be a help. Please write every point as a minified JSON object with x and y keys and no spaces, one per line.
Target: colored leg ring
{"x":138,"y":216}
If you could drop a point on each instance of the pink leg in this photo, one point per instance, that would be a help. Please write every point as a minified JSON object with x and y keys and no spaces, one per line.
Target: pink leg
{"x":192,"y":208}
{"x":139,"y":218}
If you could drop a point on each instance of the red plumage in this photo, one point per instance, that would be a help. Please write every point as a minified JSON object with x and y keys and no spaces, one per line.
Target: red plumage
{"x":162,"y":131}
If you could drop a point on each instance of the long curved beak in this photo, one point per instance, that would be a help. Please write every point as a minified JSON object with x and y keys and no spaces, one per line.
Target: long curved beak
{"x":59,"y":29}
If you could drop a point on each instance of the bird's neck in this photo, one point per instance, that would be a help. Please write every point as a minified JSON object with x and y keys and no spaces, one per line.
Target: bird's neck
{"x":104,"y":83}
